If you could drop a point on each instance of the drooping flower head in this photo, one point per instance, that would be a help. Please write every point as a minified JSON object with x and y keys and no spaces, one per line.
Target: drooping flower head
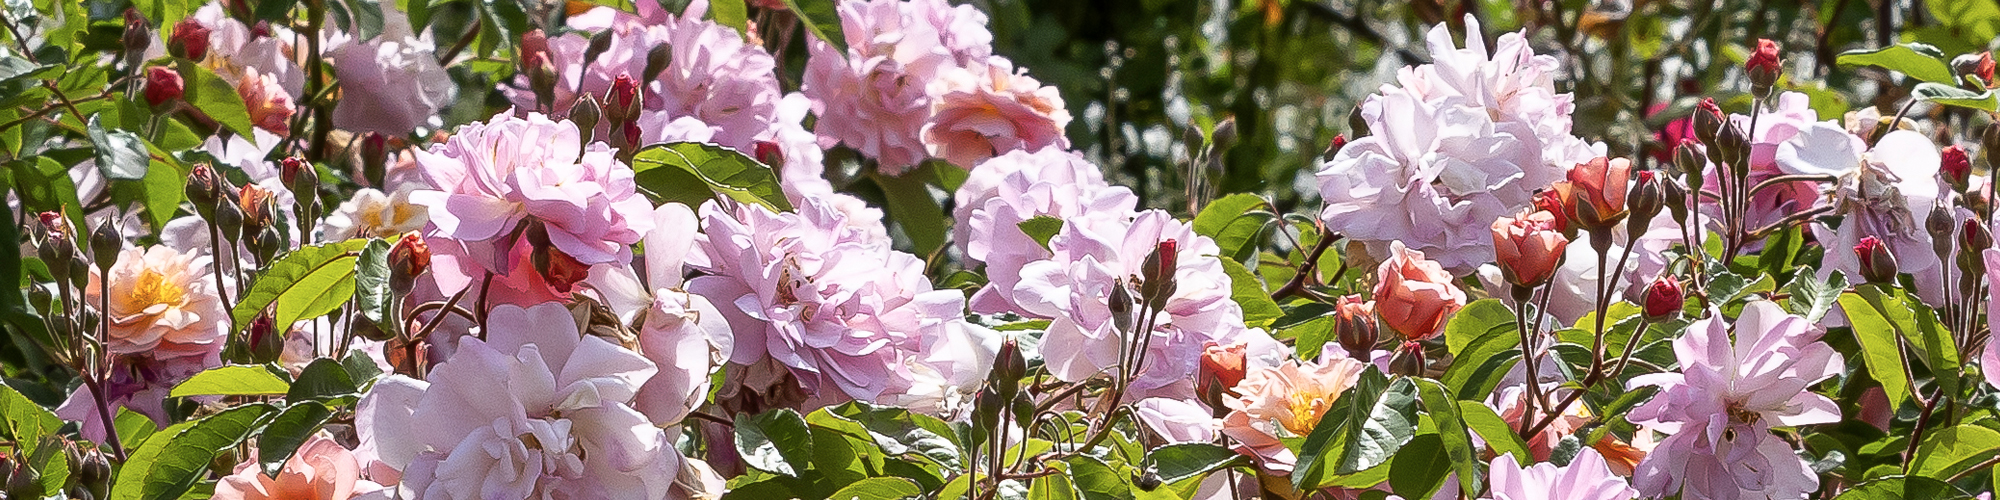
{"x":1719,"y":409}
{"x":1458,"y":144}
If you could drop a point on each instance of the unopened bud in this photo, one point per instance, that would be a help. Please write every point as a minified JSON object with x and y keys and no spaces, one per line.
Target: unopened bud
{"x":1664,"y":299}
{"x":163,"y":85}
{"x":1645,"y":200}
{"x":1733,"y":147}
{"x":24,"y":482}
{"x":1222,"y":368}
{"x":1878,"y":265}
{"x":769,"y":154}
{"x":1708,"y":120}
{"x":1158,"y":274}
{"x":258,"y":208}
{"x":585,"y":113}
{"x":105,"y":243}
{"x":264,"y":341}
{"x":203,"y":190}
{"x":1354,"y":326}
{"x":1333,"y":148}
{"x":228,"y":220}
{"x":657,"y":60}
{"x":1974,"y":238}
{"x":190,"y":39}
{"x":137,"y":38}
{"x":1121,"y":307}
{"x":1357,"y":125}
{"x":1008,"y":368}
{"x":1763,"y":68}
{"x":300,"y":177}
{"x":1223,"y":136}
{"x":1939,"y":224}
{"x":410,"y":258}
{"x":1956,"y":166}
{"x":266,"y":244}
{"x":1977,"y":69}
{"x":374,"y":158}
{"x":599,"y":43}
{"x":1409,"y":360}
{"x":622,"y":102}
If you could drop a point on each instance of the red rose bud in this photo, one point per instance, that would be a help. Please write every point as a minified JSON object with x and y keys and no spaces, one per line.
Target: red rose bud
{"x":410,"y":258}
{"x":621,"y":103}
{"x":1008,"y":368}
{"x":374,"y":158}
{"x":1985,"y":69}
{"x":1158,"y":274}
{"x":1973,"y":237}
{"x":1763,"y":68}
{"x":204,"y":189}
{"x":1664,"y":298}
{"x":1957,"y":167}
{"x":1354,"y":326}
{"x":1222,"y":367}
{"x":190,"y":40}
{"x":265,"y":342}
{"x":1878,"y":266}
{"x":1333,"y":148}
{"x":534,"y":43}
{"x":1708,"y":120}
{"x":767,"y":153}
{"x":300,"y":177}
{"x":137,"y":38}
{"x":163,"y":85}
{"x":1976,"y":69}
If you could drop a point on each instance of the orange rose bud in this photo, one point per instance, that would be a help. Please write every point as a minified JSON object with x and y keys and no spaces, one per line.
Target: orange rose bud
{"x":1414,"y":295}
{"x":1594,"y":195}
{"x":410,"y":258}
{"x":1528,"y":248}
{"x":1354,"y":326}
{"x":1222,"y":367}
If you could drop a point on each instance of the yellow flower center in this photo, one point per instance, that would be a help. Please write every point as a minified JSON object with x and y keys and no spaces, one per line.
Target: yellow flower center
{"x":1307,"y":408}
{"x":153,"y":288}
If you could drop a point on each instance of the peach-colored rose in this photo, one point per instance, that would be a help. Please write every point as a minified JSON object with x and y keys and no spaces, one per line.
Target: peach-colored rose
{"x":1221,"y":368}
{"x":1414,"y":295}
{"x":162,"y":304}
{"x":1618,"y":455}
{"x":1594,"y":194}
{"x":321,"y":470}
{"x":1529,"y":247}
{"x":269,"y":105}
{"x":1286,"y":401}
{"x":990,"y":109}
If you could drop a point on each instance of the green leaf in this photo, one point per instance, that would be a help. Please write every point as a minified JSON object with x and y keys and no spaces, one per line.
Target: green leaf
{"x":283,"y":436}
{"x":896,"y":431}
{"x":120,"y":154}
{"x":163,"y":189}
{"x":1910,"y":319}
{"x":1374,"y":435}
{"x":1499,"y":436}
{"x":371,"y":287}
{"x":232,"y":380}
{"x":775,"y":441}
{"x":1097,"y":480}
{"x":836,"y":459}
{"x":1452,"y":429}
{"x":131,"y":477}
{"x":884,"y":488}
{"x":323,"y":378}
{"x":27,"y":423}
{"x":1954,"y":450}
{"x":1258,"y":309}
{"x":360,"y":368}
{"x":362,"y":16}
{"x":1811,"y":297}
{"x":1918,"y":60}
{"x":1901,"y":488}
{"x":307,"y":283}
{"x":216,"y":98}
{"x":1878,"y":347}
{"x":677,"y":171}
{"x":1184,"y":461}
{"x":821,"y":18}
{"x":912,"y":207}
{"x":44,"y":186}
{"x":1954,"y":96}
{"x":162,"y":13}
{"x":1052,"y":487}
{"x":1420,"y":468}
{"x":1480,"y":337}
{"x":1041,"y":228}
{"x":731,"y":13}
{"x":1235,"y":222}
{"x":1480,"y":319}
{"x":185,"y":456}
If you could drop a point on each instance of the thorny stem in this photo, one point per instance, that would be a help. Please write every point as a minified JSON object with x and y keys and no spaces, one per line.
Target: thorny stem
{"x":1298,"y":281}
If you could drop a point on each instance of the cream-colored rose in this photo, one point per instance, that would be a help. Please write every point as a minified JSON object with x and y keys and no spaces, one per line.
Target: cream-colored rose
{"x":162,"y":304}
{"x":371,"y":213}
{"x":1286,"y":401}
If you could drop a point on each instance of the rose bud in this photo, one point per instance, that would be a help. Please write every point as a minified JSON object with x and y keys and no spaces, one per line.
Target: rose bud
{"x":190,"y":40}
{"x":300,"y":177}
{"x":1120,"y":304}
{"x":1957,"y":167}
{"x":539,"y":64}
{"x":265,"y":341}
{"x":1973,"y":241}
{"x":163,"y":85}
{"x":1333,"y":147}
{"x":1222,"y":367}
{"x":136,"y":38}
{"x":105,"y":243}
{"x":585,"y":113}
{"x":204,"y":190}
{"x":1528,"y":248}
{"x":1708,"y":120}
{"x":1763,"y":68}
{"x":1008,"y":368}
{"x":57,"y":248}
{"x":1354,"y":326}
{"x":1158,"y":274}
{"x":657,"y":61}
{"x":374,"y":158}
{"x":599,"y":43}
{"x":1551,"y":201}
{"x":410,"y":258}
{"x":1602,"y":184}
{"x":1409,"y":360}
{"x":1732,"y":148}
{"x":1878,"y":266}
{"x":259,"y":209}
{"x":622,"y":102}
{"x":1977,"y":69}
{"x":768,"y":153}
{"x":1939,"y":225}
{"x":1664,"y":298}
{"x":1645,"y":200}
{"x":1414,"y":295}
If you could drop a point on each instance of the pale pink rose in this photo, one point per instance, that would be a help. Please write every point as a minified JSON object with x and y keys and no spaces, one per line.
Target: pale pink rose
{"x":1456,"y":145}
{"x":714,"y":79}
{"x":988,"y":109}
{"x":269,"y":106}
{"x":391,"y":84}
{"x":1886,"y":192}
{"x":1718,"y":411}
{"x":845,"y":314}
{"x":874,"y":97}
{"x":1585,"y":478}
{"x":1177,"y":420}
{"x":1286,"y":401}
{"x":320,"y":470}
{"x":1006,"y":190}
{"x":1989,"y":358}
{"x":235,"y":48}
{"x":491,"y":176}
{"x":1414,"y":295}
{"x":534,"y":409}
{"x":162,"y":304}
